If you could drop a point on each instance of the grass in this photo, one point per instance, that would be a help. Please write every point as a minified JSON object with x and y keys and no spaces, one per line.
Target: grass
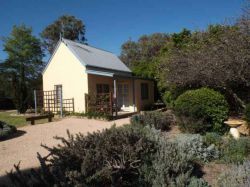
{"x":17,"y":121}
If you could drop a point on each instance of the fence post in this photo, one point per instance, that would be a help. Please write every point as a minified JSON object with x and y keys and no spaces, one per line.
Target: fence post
{"x":111,"y":103}
{"x":86,"y":103}
{"x":73,"y":105}
{"x":61,"y":103}
{"x":35,"y":102}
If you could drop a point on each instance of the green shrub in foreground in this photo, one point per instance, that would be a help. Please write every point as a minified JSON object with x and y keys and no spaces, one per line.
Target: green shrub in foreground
{"x":126,"y":156}
{"x":206,"y":106}
{"x":6,"y":130}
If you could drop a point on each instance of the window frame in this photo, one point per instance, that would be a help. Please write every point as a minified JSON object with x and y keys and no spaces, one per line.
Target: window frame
{"x":102,"y":88}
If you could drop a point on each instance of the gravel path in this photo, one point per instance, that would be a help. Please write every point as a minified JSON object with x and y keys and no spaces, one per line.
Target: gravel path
{"x":25,"y":147}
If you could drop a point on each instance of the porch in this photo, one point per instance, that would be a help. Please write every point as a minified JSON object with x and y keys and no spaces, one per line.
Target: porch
{"x":116,"y":94}
{"x":110,"y":95}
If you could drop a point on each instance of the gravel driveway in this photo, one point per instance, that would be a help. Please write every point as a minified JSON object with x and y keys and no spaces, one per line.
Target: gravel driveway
{"x":25,"y":147}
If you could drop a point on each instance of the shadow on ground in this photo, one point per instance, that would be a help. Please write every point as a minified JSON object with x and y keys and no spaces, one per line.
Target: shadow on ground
{"x":17,"y":134}
{"x":5,"y":179}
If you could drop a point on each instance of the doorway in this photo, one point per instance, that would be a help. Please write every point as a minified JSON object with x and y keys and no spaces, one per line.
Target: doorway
{"x":123,"y":96}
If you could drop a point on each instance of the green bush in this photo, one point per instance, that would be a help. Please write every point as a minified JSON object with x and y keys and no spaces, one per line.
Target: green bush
{"x":234,"y":151}
{"x":125,"y":156}
{"x":6,"y":130}
{"x":156,"y":119}
{"x":212,"y":138}
{"x":247,"y":113}
{"x":204,"y":106}
{"x":237,"y":176}
{"x":168,"y":99}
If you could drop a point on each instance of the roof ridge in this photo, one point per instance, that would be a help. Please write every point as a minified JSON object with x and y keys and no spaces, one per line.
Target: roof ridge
{"x":89,"y":46}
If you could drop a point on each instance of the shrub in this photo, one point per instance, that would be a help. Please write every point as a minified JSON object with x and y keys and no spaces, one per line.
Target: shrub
{"x":171,"y":166}
{"x":156,"y":119}
{"x":125,"y":156}
{"x":234,"y":151}
{"x":247,"y":113}
{"x":206,"y":106}
{"x":237,"y":176}
{"x":6,"y":130}
{"x":212,"y":138}
{"x":194,"y":145}
{"x":197,"y":182}
{"x":111,"y":157}
{"x":168,"y":99}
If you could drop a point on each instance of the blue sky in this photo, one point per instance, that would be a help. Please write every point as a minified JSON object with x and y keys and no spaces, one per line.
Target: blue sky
{"x":109,"y":23}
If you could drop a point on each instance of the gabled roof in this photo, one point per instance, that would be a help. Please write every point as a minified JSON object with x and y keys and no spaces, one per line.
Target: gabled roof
{"x":94,"y":57}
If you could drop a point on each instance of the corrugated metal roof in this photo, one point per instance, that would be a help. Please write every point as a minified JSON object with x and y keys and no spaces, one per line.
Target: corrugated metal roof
{"x":91,"y":56}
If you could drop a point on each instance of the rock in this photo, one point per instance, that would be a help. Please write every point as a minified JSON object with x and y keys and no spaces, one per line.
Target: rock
{"x":235,"y":133}
{"x":244,"y":129}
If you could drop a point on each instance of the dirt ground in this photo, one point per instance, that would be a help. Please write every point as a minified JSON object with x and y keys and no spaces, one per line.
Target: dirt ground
{"x":25,"y":146}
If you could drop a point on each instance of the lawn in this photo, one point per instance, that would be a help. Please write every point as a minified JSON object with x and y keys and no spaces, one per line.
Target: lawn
{"x":18,"y":121}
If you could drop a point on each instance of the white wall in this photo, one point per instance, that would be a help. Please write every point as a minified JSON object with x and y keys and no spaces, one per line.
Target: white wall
{"x":67,"y":70}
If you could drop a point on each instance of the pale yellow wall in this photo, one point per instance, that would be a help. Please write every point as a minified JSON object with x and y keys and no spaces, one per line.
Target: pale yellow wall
{"x":142,"y":104}
{"x":66,"y":69}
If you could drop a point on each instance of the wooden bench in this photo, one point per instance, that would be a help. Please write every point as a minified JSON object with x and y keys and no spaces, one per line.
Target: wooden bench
{"x":33,"y":118}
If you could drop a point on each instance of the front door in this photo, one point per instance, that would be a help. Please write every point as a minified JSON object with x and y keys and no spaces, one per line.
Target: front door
{"x":122,"y":96}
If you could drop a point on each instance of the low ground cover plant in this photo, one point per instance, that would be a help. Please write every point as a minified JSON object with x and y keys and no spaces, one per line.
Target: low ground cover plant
{"x":237,"y":176}
{"x":202,"y":110}
{"x":235,"y":151}
{"x":6,"y":130}
{"x":195,"y":146}
{"x":231,"y":150}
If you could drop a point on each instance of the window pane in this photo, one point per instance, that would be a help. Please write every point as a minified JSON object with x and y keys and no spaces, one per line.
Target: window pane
{"x":102,"y":88}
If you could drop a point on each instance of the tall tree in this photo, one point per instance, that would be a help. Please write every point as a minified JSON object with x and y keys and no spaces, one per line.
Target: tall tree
{"x":68,"y":27}
{"x":140,"y":55}
{"x":24,"y":63}
{"x":217,"y":58}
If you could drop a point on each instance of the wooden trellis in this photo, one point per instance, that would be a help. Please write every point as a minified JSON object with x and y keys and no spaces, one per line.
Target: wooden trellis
{"x":52,"y":101}
{"x":100,"y":103}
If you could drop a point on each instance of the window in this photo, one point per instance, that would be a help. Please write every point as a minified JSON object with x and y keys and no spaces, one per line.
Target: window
{"x":144,"y":91}
{"x":102,"y":88}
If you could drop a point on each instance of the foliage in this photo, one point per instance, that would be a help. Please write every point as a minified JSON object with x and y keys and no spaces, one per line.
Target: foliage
{"x":194,"y":146}
{"x":237,"y":176}
{"x":143,"y":50}
{"x":6,"y":130}
{"x":154,"y":119}
{"x":234,"y":151}
{"x":68,"y":27}
{"x":208,"y":58}
{"x":247,"y":113}
{"x":197,"y":182}
{"x":206,"y":107}
{"x":125,"y":156}
{"x":23,"y":65}
{"x":212,"y":138}
{"x":168,"y":99}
